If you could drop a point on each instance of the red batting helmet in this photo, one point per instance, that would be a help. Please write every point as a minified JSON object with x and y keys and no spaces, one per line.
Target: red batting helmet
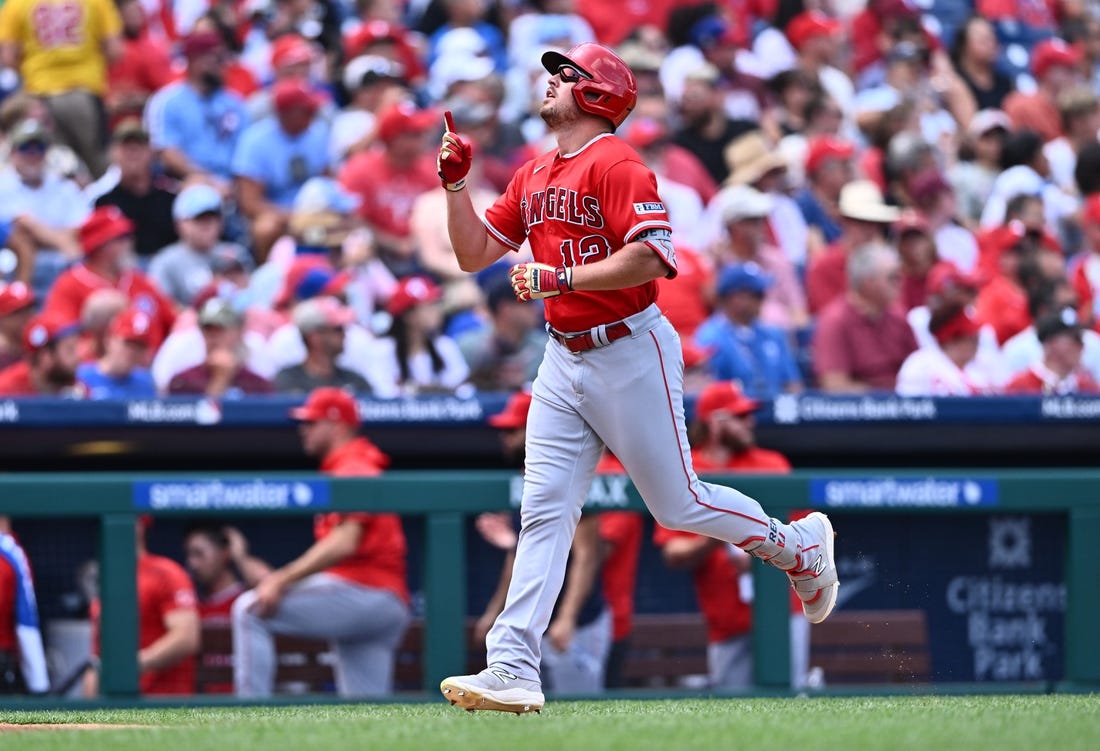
{"x":607,"y":87}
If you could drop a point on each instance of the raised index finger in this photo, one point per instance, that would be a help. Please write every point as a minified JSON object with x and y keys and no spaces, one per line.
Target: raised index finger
{"x":448,"y":121}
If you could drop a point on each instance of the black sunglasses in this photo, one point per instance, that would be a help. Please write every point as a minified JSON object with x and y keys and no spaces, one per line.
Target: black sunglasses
{"x":570,"y":74}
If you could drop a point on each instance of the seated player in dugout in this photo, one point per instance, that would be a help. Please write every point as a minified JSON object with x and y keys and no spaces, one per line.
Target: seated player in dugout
{"x":22,"y":658}
{"x":169,"y":635}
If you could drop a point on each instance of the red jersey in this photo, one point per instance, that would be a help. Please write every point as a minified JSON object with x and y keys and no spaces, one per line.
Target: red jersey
{"x":74,"y":286}
{"x":15,"y":380}
{"x":827,"y":277}
{"x":622,"y":532}
{"x":216,"y":609}
{"x":1039,"y":379}
{"x":684,"y":299}
{"x":379,"y":561}
{"x":163,"y":587}
{"x":388,"y":192}
{"x":1003,"y":305}
{"x":580,"y":208}
{"x":1085,"y":277}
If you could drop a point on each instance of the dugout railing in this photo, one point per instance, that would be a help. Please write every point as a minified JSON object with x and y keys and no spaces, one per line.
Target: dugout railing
{"x":446,"y":498}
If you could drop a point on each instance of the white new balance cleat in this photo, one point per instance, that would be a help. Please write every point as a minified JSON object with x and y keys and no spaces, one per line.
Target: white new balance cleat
{"x":494,"y":689}
{"x":815,"y":581}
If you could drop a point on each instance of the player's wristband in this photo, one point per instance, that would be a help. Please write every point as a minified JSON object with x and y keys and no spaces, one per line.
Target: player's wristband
{"x":455,"y":187}
{"x":565,"y":278}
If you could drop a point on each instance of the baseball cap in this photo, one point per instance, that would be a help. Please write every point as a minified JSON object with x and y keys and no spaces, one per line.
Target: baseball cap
{"x":713,"y":30}
{"x":1064,"y":321}
{"x":743,"y":277}
{"x":369,"y":33}
{"x":319,"y":194}
{"x":45,"y":329}
{"x":219,"y":312}
{"x":412,"y":291}
{"x":514,"y":414}
{"x":133,"y":325}
{"x":130,"y":130}
{"x":643,"y":132}
{"x":368,"y":69}
{"x":1053,"y":52}
{"x":405,"y":118}
{"x":329,"y":403}
{"x":822,"y":148}
{"x":104,"y":224}
{"x":962,"y":325}
{"x":229,"y":256}
{"x":321,"y":312}
{"x":28,"y":130}
{"x":723,"y":396}
{"x":290,"y":49}
{"x":987,"y":120}
{"x":294,"y":92}
{"x":15,"y":297}
{"x":809,"y":24}
{"x":738,"y":202}
{"x":927,"y":186}
{"x":946,"y":275}
{"x":202,"y":43}
{"x":196,"y":200}
{"x":320,"y":280}
{"x":911,"y":220}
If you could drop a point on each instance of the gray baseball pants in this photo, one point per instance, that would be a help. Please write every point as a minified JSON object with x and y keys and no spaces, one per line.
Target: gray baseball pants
{"x":364,"y":626}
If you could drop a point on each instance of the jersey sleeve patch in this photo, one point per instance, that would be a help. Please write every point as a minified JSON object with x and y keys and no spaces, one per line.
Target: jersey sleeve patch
{"x":659,"y":240}
{"x":649,"y":207}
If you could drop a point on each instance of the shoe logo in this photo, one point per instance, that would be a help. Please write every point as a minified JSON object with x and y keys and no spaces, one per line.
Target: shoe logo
{"x":536,"y":170}
{"x":818,"y":566}
{"x":503,"y":675}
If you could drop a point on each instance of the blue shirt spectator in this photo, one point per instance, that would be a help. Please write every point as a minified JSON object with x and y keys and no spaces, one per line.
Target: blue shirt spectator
{"x":203,"y":127}
{"x":137,"y":384}
{"x":742,"y":349}
{"x":816,"y":216}
{"x":278,"y":158}
{"x":118,"y":373}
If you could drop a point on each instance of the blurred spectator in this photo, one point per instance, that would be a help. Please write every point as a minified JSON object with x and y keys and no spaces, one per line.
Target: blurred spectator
{"x":1024,"y":348}
{"x":372,"y":83}
{"x":615,"y":22}
{"x":828,"y":167}
{"x":385,"y":37}
{"x":321,"y":322}
{"x":754,"y":162}
{"x":861,"y":339}
{"x":142,"y":67}
{"x":121,"y":373}
{"x":466,"y":35}
{"x":22,"y":657}
{"x":1079,"y":111}
{"x":688,"y":298}
{"x":864,"y":217}
{"x":744,"y":211}
{"x":390,"y":177}
{"x":16,"y":307}
{"x":816,"y":38}
{"x":354,"y":573}
{"x":1038,"y":18}
{"x":63,"y":59}
{"x":1060,"y":370}
{"x":706,"y":127}
{"x":505,"y":355}
{"x":722,"y":439}
{"x":975,"y":54}
{"x":60,"y":159}
{"x":266,"y":187}
{"x":218,"y":560}
{"x":169,"y":634}
{"x":1055,"y":66}
{"x":1002,"y":302}
{"x":224,"y":372}
{"x":933,"y":197}
{"x":945,"y":370}
{"x":1025,"y":170}
{"x":418,"y":358}
{"x":917,"y":252}
{"x":96,"y":314}
{"x":107,"y":238}
{"x":743,"y":349}
{"x":186,"y":267}
{"x":544,"y":21}
{"x":979,"y":164}
{"x":133,"y":183}
{"x":50,"y":358}
{"x":908,"y":155}
{"x":292,"y":59}
{"x":1085,"y":273}
{"x":195,"y":122}
{"x":49,"y":207}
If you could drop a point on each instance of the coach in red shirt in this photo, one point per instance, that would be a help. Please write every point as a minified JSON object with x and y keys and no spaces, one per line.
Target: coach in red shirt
{"x":107,"y":238}
{"x":349,"y":587}
{"x":50,"y":358}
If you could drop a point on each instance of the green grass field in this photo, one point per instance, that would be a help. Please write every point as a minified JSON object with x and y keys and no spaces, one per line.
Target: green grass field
{"x":1002,"y":723}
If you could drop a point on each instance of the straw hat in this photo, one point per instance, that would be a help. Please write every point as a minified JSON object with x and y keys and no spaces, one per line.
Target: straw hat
{"x":862,"y":200}
{"x":749,"y":158}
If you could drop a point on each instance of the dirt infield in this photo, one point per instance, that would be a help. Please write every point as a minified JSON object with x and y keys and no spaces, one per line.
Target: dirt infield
{"x":10,"y":727}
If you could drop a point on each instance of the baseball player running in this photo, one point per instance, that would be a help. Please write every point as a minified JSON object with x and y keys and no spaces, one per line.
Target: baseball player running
{"x":613,"y":369}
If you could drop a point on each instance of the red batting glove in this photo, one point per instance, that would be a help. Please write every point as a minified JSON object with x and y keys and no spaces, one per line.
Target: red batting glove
{"x":454,"y":159}
{"x":534,"y":281}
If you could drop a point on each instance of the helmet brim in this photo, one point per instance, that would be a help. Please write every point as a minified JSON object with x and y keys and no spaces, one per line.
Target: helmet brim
{"x":552,"y":60}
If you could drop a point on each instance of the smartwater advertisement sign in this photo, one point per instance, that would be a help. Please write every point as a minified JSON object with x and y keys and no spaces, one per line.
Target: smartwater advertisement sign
{"x":992,"y":586}
{"x":912,"y":492}
{"x":217,"y":495}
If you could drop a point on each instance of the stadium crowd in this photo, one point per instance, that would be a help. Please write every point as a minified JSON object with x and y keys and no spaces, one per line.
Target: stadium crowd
{"x":237,"y":198}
